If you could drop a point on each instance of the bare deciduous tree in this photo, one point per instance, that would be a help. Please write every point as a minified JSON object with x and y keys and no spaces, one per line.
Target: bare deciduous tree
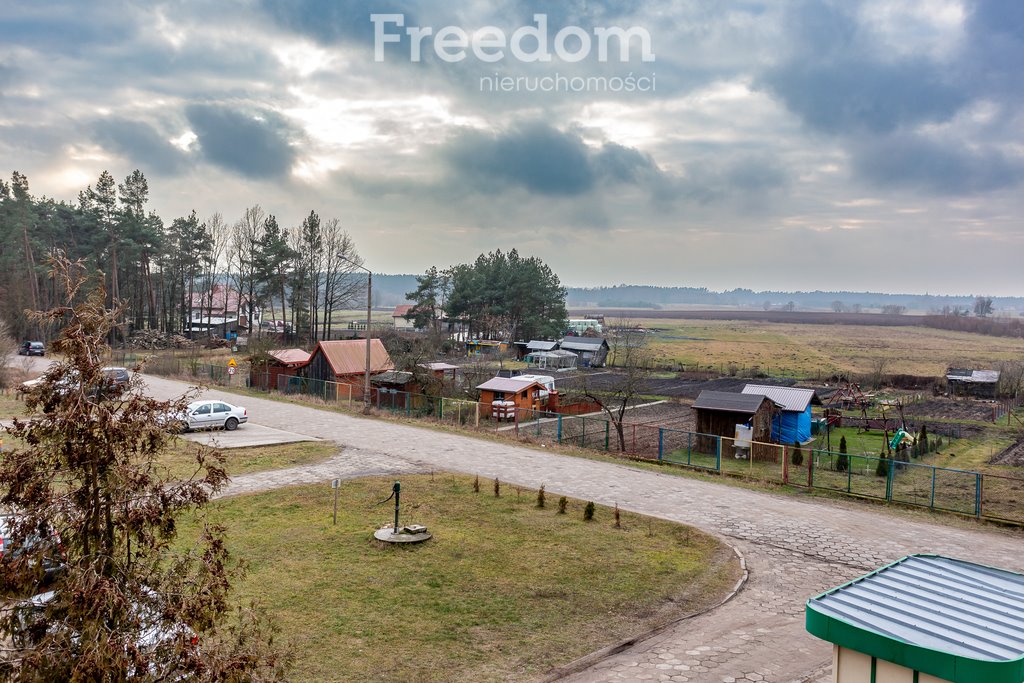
{"x":632,"y":360}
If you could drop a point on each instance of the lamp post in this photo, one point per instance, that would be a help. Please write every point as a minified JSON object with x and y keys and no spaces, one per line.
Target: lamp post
{"x":369,"y":307}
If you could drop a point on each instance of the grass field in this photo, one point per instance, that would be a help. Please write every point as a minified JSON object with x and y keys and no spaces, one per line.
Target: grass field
{"x":181,"y":463}
{"x":810,"y":350}
{"x":504,"y":590}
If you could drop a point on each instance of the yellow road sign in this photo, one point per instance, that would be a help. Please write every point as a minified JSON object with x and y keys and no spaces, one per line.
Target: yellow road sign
{"x":232,"y":363}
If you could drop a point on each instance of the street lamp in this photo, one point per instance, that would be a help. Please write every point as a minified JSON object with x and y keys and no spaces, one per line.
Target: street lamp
{"x":369,"y":306}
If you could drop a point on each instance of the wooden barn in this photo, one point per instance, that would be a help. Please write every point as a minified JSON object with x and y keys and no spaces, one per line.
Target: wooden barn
{"x":265,"y":373}
{"x":719,"y":412}
{"x":344,"y":361}
{"x":978,"y":383}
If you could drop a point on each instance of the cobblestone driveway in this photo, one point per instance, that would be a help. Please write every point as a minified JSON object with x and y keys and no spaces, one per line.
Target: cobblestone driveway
{"x":794,"y":548}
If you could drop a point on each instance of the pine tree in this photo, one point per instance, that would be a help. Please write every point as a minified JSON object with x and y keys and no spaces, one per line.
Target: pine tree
{"x":843,"y":461}
{"x":797,"y":456}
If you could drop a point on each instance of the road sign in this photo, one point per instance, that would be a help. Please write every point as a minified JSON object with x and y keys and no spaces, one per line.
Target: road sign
{"x":232,"y":363}
{"x":335,"y":483}
{"x":231,"y":371}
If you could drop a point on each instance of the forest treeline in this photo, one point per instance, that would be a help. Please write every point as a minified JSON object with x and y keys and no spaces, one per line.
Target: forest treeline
{"x":165,"y":270}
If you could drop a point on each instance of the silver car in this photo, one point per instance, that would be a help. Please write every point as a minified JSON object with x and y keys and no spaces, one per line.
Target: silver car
{"x":213,"y":414}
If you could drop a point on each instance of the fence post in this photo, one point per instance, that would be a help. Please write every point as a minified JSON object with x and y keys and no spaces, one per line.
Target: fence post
{"x":718,"y":454}
{"x":689,"y":448}
{"x":932,"y":504}
{"x":661,"y":443}
{"x":785,"y":464}
{"x":559,"y":428}
{"x":849,"y":474}
{"x":350,"y":397}
{"x":607,"y":429}
{"x":515,"y":417}
{"x":810,"y":469}
{"x":889,"y":478}
{"x":979,"y":483}
{"x":476,"y":417}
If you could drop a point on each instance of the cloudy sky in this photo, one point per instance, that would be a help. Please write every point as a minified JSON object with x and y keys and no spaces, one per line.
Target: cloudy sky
{"x":855,"y":144}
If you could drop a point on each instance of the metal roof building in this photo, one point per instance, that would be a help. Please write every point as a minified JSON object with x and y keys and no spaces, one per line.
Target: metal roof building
{"x":592,"y":351}
{"x":729,"y":402}
{"x":924,"y":618}
{"x":790,"y":398}
{"x":794,"y":423}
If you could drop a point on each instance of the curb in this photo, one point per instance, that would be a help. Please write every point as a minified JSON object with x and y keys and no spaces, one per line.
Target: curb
{"x":589,"y":660}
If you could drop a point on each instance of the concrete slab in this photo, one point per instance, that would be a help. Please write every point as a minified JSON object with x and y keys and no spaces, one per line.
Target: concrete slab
{"x":246,"y":435}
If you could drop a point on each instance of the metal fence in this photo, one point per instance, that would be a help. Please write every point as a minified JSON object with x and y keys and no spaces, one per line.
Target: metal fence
{"x":176,"y":366}
{"x":983,"y":495}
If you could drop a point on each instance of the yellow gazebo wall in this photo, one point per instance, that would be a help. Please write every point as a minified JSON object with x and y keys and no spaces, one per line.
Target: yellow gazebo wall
{"x":850,"y":666}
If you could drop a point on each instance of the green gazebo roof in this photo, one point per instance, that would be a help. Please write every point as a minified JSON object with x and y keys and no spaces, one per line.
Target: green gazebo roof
{"x":956,"y":620}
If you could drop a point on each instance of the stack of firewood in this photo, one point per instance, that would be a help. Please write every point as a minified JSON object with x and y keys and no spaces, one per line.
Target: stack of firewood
{"x":155,"y":340}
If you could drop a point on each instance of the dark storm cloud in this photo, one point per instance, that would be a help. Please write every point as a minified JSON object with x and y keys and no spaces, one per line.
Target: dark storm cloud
{"x":545,"y":161}
{"x":623,"y":164}
{"x":996,"y":28}
{"x":330,"y":21}
{"x":836,"y":84}
{"x":141,"y":144}
{"x":854,"y":94}
{"x":944,"y":167}
{"x":256,"y":146}
{"x":534,"y":156}
{"x":64,"y":29}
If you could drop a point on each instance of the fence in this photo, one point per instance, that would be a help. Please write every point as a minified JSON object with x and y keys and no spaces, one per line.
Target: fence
{"x":983,"y":495}
{"x":176,"y":366}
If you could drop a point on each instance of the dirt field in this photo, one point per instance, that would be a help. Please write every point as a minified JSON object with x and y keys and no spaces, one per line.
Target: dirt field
{"x":1014,"y":455}
{"x":817,"y":350}
{"x":797,"y":317}
{"x":674,"y":387}
{"x":953,"y":410}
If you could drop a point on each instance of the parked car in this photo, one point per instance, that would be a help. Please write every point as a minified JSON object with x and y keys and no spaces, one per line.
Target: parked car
{"x":44,"y":538}
{"x":32,"y":348}
{"x":209,"y":415}
{"x":115,"y":381}
{"x":155,"y":631}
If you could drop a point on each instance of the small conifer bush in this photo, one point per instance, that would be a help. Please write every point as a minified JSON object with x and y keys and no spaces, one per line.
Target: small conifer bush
{"x":797,"y":456}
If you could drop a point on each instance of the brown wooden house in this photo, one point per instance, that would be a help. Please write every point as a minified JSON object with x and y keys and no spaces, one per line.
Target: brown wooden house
{"x":719,"y":412}
{"x":265,"y":373}
{"x":344,"y":361}
{"x":524,"y":394}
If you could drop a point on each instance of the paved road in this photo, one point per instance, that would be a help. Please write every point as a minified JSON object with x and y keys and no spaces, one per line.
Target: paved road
{"x":794,"y":548}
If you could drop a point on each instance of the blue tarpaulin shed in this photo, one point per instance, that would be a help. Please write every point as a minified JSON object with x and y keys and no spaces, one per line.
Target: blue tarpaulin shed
{"x":794,"y":422}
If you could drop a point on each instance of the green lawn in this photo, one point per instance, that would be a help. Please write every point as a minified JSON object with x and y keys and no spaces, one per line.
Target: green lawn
{"x":504,"y":590}
{"x":181,"y":463}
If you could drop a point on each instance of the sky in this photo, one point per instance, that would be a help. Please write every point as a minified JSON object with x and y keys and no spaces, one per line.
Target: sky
{"x":793,"y":144}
